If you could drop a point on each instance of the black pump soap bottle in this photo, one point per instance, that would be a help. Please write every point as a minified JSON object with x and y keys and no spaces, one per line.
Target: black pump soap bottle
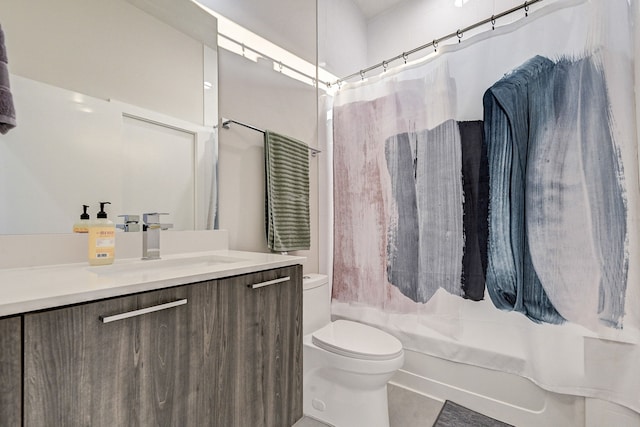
{"x":82,"y":226}
{"x":102,"y":239}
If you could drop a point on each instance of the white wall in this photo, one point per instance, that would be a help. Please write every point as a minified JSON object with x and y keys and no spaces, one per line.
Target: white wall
{"x":290,"y":24}
{"x":417,"y":22}
{"x":106,"y":49}
{"x":64,"y":153}
{"x":342,"y":37}
{"x":348,"y":42}
{"x":255,"y":94}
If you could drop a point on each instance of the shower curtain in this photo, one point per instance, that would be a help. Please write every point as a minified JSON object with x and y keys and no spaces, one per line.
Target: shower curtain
{"x":486,"y":201}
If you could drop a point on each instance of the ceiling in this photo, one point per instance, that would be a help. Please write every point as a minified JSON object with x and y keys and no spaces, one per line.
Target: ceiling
{"x":371,"y":8}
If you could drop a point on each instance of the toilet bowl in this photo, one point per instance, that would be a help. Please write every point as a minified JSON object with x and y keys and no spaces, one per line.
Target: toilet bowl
{"x":346,"y":365}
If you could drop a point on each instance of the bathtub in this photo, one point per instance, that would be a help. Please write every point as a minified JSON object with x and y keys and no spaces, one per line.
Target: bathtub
{"x":481,"y":359}
{"x":506,"y":397}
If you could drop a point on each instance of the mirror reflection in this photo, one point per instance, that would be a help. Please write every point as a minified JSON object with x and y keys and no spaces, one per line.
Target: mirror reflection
{"x":107,"y":96}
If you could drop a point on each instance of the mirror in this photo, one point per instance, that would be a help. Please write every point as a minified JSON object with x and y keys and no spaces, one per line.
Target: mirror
{"x":115,"y":101}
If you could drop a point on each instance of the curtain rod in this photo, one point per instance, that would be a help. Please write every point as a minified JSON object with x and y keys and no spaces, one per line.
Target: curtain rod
{"x":459,"y":33}
{"x":226,"y":123}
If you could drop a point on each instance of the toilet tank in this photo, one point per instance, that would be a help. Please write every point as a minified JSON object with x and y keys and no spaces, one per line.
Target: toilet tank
{"x":316,"y":302}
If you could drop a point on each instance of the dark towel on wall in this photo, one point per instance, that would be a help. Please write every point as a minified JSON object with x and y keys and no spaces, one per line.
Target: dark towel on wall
{"x":7,"y":110}
{"x":287,"y":193}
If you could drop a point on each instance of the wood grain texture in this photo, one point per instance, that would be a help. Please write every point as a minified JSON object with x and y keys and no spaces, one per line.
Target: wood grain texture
{"x":10,"y":372}
{"x":83,"y":372}
{"x":79,"y":371}
{"x":164,"y":359}
{"x":260,"y":382}
{"x":231,"y":357}
{"x":203,"y":341}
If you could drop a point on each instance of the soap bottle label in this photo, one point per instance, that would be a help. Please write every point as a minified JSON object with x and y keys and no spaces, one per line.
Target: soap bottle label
{"x":102,"y":243}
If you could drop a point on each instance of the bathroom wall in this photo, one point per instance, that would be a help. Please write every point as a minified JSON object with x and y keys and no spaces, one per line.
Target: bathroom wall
{"x":413,"y":23}
{"x":84,"y":47}
{"x":254,"y":93}
{"x":65,"y":152}
{"x":342,"y":37}
{"x":289,"y":24}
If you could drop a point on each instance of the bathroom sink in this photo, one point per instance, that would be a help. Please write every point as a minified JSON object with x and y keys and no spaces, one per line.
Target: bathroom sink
{"x":126,"y":267}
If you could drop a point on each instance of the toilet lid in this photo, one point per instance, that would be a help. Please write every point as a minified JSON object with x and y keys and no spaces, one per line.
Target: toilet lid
{"x":357,"y":340}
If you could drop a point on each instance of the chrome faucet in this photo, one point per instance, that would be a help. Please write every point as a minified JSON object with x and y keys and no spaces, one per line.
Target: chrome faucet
{"x":131,"y":223}
{"x":151,"y":234}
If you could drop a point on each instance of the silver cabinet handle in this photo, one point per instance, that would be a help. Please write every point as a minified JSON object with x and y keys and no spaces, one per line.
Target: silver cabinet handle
{"x":134,"y":313}
{"x":269,"y":282}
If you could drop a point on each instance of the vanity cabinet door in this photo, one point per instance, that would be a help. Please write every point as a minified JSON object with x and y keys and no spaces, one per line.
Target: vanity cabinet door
{"x":179,"y":363}
{"x":78,"y":370}
{"x":10,"y":372}
{"x":260,"y":352}
{"x":155,"y":368}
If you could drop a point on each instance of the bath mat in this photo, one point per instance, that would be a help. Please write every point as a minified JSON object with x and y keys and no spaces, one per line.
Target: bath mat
{"x":454,"y":415}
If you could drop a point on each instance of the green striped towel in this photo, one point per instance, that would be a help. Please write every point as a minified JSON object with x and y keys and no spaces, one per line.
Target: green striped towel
{"x":287,"y":193}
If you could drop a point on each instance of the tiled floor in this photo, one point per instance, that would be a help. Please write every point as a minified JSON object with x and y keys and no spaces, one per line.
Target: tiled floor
{"x":406,"y":409}
{"x":410,"y":409}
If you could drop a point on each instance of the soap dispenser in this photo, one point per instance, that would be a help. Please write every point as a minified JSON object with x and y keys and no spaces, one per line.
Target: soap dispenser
{"x":82,"y":226}
{"x":102,"y":239}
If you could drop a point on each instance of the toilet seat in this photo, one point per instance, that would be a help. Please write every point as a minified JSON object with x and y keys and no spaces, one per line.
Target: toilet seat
{"x":356,"y":340}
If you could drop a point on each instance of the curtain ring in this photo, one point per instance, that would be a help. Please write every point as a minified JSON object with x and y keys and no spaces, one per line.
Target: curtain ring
{"x":362,"y":74}
{"x":493,"y":22}
{"x":435,"y":45}
{"x":404,"y":56}
{"x":526,"y":8}
{"x":328,"y":85}
{"x":280,"y":65}
{"x":460,"y":35}
{"x":384,"y":66}
{"x":339,"y":84}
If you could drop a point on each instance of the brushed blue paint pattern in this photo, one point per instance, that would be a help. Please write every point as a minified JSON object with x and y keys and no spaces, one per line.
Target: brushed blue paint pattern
{"x":557,"y":243}
{"x":576,"y":206}
{"x":403,"y":245}
{"x":512,"y":281}
{"x":425,"y":169}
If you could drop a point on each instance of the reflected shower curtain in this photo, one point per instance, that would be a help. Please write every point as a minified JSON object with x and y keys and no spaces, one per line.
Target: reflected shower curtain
{"x":496,"y":185}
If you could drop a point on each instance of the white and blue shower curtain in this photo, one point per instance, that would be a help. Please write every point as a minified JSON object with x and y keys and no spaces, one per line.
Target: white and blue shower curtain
{"x":492,"y":191}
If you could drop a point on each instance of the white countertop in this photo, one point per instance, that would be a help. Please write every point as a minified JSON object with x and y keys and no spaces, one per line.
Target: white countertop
{"x":35,"y":288}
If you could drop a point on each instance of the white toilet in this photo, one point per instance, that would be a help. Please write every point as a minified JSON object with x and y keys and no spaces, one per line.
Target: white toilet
{"x":346,"y":364}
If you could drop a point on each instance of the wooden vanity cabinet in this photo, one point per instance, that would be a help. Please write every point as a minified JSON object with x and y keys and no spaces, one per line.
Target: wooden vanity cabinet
{"x":10,"y":371}
{"x":260,"y":382}
{"x":230,"y":356}
{"x":80,"y":371}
